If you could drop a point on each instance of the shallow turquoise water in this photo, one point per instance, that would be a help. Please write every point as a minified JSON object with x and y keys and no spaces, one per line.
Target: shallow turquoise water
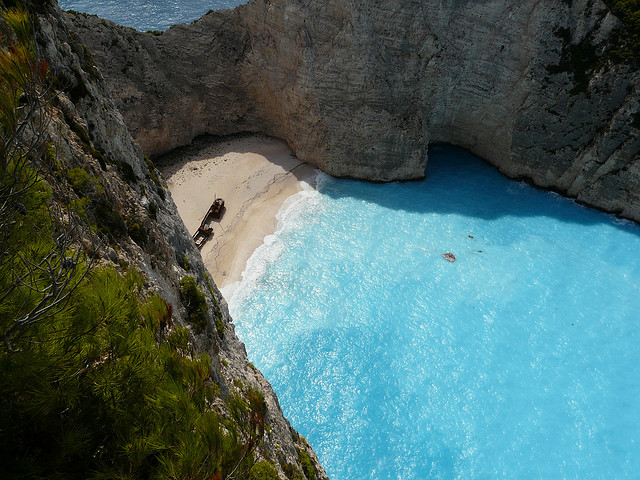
{"x":519,"y":360}
{"x":148,"y":14}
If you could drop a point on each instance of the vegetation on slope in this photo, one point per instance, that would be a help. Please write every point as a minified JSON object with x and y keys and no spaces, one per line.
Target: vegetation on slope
{"x":582,"y":59}
{"x":628,"y":42}
{"x":104,"y":389}
{"x":96,"y":380}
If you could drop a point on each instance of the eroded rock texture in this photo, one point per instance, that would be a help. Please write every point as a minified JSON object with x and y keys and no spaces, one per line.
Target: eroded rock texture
{"x":88,"y":131}
{"x":361,"y":88}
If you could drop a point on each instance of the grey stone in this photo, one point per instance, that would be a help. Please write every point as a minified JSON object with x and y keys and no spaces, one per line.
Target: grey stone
{"x":112,"y":255}
{"x":361,"y":88}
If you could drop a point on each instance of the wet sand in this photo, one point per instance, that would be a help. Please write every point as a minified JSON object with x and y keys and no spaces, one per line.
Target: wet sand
{"x":254,"y":174}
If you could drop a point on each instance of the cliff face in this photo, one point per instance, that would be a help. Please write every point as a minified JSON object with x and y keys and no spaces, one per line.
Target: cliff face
{"x":88,"y":132}
{"x":360,"y":89}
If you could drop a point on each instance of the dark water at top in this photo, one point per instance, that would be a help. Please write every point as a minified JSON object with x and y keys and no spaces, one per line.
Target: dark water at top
{"x":148,"y":14}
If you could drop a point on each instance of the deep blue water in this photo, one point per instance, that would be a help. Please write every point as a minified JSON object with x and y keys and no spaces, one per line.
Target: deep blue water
{"x":519,"y":360}
{"x":148,"y":14}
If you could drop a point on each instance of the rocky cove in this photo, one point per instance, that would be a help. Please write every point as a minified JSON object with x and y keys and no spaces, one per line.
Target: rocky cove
{"x":357,"y":89}
{"x":361,"y":90}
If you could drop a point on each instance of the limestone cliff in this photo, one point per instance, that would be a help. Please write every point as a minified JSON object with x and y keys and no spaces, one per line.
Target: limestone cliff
{"x":144,"y":228}
{"x":361,"y":89}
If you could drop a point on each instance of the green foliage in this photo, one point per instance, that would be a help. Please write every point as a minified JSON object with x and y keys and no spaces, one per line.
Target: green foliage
{"x":263,"y":471}
{"x":25,"y":247}
{"x":108,"y":218}
{"x":209,"y":285}
{"x":581,"y":60}
{"x":79,"y":206}
{"x":20,"y":72}
{"x":153,"y":211}
{"x":137,"y":231}
{"x":155,"y":176}
{"x":291,"y":471}
{"x":185,"y":264}
{"x":218,"y":312}
{"x":248,"y":413}
{"x":307,"y":465}
{"x":219,"y":325}
{"x":195,"y":303}
{"x":628,"y":42}
{"x":18,"y":20}
{"x":82,"y":134}
{"x":83,"y":183}
{"x":81,"y":131}
{"x":102,"y":386}
{"x":79,"y":179}
{"x":49,"y":157}
{"x":93,"y":394}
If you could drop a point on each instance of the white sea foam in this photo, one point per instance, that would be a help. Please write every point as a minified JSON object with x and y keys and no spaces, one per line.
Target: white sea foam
{"x":296,"y":211}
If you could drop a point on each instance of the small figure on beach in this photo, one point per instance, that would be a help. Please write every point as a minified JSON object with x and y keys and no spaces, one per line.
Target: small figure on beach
{"x":449,"y":256}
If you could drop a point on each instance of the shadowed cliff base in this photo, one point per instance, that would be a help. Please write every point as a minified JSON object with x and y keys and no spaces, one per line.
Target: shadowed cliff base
{"x":472,"y":175}
{"x":361,"y":90}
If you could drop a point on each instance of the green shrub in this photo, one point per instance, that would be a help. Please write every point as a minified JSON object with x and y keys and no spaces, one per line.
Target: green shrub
{"x":79,"y":179}
{"x":210,"y":286}
{"x":307,"y":465}
{"x":153,"y":211}
{"x":136,"y":231}
{"x":93,"y":394}
{"x":219,"y":324}
{"x":100,"y":386}
{"x":194,"y":302}
{"x":628,"y":41}
{"x":263,"y":471}
{"x":108,"y":218}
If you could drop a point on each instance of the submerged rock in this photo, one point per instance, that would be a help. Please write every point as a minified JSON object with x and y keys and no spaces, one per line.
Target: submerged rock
{"x":449,"y":257}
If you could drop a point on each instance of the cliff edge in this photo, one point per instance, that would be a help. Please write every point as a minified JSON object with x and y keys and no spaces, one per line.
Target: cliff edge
{"x":106,"y":179}
{"x":361,"y":89}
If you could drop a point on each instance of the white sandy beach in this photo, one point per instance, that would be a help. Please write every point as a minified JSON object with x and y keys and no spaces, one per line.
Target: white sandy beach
{"x":254,"y":174}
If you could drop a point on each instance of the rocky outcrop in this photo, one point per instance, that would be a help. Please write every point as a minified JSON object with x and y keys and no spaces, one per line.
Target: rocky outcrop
{"x":361,"y":89}
{"x":87,"y":131}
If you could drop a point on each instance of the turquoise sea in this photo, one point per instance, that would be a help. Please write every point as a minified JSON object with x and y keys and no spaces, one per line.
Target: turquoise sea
{"x":520,"y":360}
{"x":148,"y":14}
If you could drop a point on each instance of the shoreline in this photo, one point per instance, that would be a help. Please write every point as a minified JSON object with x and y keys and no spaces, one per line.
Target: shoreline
{"x":254,"y":174}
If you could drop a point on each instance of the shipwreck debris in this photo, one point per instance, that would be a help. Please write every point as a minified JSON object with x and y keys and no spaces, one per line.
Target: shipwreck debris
{"x":204,"y":232}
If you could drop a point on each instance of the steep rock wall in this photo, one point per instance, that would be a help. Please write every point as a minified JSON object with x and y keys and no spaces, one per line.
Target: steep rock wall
{"x":360,"y":89}
{"x":89,"y":132}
